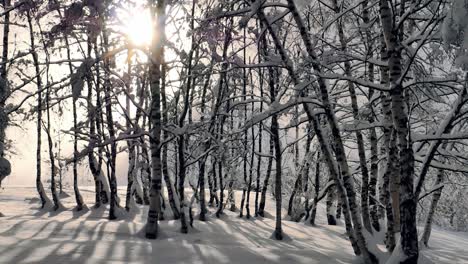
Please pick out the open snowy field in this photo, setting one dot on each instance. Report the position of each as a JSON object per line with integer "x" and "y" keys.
{"x": 29, "y": 235}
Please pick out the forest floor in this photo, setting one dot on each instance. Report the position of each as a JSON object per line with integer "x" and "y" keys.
{"x": 31, "y": 235}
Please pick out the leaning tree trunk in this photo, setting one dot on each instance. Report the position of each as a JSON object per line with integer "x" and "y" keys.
{"x": 432, "y": 209}
{"x": 295, "y": 209}
{"x": 341, "y": 160}
{"x": 359, "y": 138}
{"x": 294, "y": 197}
{"x": 445, "y": 128}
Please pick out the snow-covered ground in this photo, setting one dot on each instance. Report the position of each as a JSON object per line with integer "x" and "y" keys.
{"x": 29, "y": 235}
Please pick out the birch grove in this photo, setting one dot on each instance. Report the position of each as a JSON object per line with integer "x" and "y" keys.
{"x": 360, "y": 105}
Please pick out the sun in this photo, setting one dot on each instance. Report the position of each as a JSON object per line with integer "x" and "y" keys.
{"x": 137, "y": 26}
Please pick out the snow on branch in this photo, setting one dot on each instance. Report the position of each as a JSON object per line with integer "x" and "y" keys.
{"x": 355, "y": 80}
{"x": 276, "y": 108}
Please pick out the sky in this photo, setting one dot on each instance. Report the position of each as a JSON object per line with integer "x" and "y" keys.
{"x": 24, "y": 161}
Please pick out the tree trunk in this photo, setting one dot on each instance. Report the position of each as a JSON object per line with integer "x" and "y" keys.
{"x": 202, "y": 162}
{"x": 111, "y": 156}
{"x": 78, "y": 198}
{"x": 389, "y": 172}
{"x": 53, "y": 168}
{"x": 155, "y": 140}
{"x": 278, "y": 233}
{"x": 316, "y": 189}
{"x": 409, "y": 235}
{"x": 222, "y": 90}
{"x": 432, "y": 209}
{"x": 341, "y": 159}
{"x": 266, "y": 181}
{"x": 252, "y": 156}
{"x": 245, "y": 132}
{"x": 331, "y": 220}
{"x": 99, "y": 135}
{"x": 45, "y": 201}
{"x": 93, "y": 166}
{"x": 171, "y": 193}
{"x": 130, "y": 142}
{"x": 212, "y": 182}
{"x": 6, "y": 170}
{"x": 359, "y": 137}
{"x": 372, "y": 131}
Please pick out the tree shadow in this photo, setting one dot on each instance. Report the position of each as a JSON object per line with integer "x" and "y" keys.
{"x": 56, "y": 241}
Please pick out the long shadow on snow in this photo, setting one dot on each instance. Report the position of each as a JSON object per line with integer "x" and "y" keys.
{"x": 77, "y": 247}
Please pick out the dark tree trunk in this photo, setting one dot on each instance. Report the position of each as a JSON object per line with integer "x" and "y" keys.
{"x": 157, "y": 44}
{"x": 316, "y": 189}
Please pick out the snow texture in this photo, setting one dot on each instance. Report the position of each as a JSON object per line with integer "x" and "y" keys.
{"x": 31, "y": 235}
